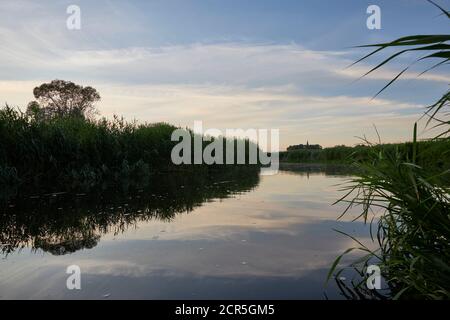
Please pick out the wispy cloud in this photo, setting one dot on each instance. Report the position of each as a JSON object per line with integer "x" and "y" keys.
{"x": 305, "y": 93}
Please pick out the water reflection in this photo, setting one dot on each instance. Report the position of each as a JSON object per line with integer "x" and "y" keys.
{"x": 63, "y": 223}
{"x": 307, "y": 169}
{"x": 275, "y": 242}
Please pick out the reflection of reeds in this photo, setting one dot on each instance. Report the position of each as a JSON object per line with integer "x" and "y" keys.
{"x": 306, "y": 169}
{"x": 357, "y": 289}
{"x": 65, "y": 223}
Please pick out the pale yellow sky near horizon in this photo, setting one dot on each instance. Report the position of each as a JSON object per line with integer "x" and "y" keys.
{"x": 222, "y": 108}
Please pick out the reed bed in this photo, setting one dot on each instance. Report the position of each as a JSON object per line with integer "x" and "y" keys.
{"x": 76, "y": 152}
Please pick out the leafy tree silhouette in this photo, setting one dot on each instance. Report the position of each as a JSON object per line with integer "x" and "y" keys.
{"x": 61, "y": 98}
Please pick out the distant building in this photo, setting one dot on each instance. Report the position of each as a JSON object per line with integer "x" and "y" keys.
{"x": 306, "y": 146}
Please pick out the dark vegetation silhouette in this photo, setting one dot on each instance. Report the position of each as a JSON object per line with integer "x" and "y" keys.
{"x": 57, "y": 145}
{"x": 61, "y": 98}
{"x": 433, "y": 153}
{"x": 306, "y": 146}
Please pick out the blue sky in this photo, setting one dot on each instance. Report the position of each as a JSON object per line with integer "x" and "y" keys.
{"x": 232, "y": 64}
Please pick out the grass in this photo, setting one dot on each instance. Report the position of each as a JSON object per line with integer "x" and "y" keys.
{"x": 401, "y": 192}
{"x": 70, "y": 152}
{"x": 411, "y": 209}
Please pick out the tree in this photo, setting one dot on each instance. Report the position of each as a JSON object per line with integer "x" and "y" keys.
{"x": 305, "y": 147}
{"x": 61, "y": 98}
{"x": 34, "y": 111}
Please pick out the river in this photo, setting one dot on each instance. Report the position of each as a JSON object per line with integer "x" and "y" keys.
{"x": 244, "y": 237}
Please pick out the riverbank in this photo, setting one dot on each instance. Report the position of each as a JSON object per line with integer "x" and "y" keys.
{"x": 76, "y": 153}
{"x": 433, "y": 154}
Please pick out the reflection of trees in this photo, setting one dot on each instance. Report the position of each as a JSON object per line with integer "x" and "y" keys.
{"x": 356, "y": 289}
{"x": 305, "y": 169}
{"x": 65, "y": 223}
{"x": 67, "y": 243}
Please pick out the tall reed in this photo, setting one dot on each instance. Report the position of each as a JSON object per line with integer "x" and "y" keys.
{"x": 75, "y": 152}
{"x": 400, "y": 192}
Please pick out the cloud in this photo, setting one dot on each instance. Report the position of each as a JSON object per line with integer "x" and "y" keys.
{"x": 327, "y": 120}
{"x": 225, "y": 63}
{"x": 300, "y": 117}
{"x": 389, "y": 74}
{"x": 227, "y": 85}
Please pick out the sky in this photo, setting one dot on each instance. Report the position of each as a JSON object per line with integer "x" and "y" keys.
{"x": 262, "y": 64}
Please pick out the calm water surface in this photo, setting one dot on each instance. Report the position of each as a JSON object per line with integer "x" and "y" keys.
{"x": 258, "y": 237}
